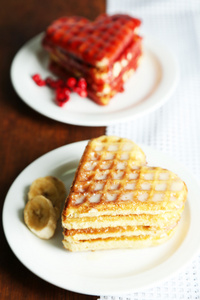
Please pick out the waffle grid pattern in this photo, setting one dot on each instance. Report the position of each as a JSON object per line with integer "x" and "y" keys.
{"x": 143, "y": 188}
{"x": 110, "y": 172}
{"x": 98, "y": 43}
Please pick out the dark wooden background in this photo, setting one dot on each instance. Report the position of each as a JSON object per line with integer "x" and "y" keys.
{"x": 25, "y": 134}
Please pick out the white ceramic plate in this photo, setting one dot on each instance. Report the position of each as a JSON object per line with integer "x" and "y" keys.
{"x": 100, "y": 272}
{"x": 148, "y": 89}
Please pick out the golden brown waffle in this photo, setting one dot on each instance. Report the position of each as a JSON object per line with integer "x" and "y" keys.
{"x": 160, "y": 220}
{"x": 102, "y": 169}
{"x": 114, "y": 188}
{"x": 118, "y": 231}
{"x": 110, "y": 181}
{"x": 133, "y": 242}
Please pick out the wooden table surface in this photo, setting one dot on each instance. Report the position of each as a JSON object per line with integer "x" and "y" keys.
{"x": 25, "y": 134}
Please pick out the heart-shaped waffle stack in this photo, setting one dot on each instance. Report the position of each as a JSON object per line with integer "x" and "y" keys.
{"x": 117, "y": 201}
{"x": 105, "y": 52}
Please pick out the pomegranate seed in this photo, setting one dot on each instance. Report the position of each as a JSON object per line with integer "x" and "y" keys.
{"x": 36, "y": 77}
{"x": 49, "y": 81}
{"x": 62, "y": 96}
{"x": 80, "y": 92}
{"x": 71, "y": 82}
{"x": 82, "y": 83}
{"x": 66, "y": 91}
{"x": 38, "y": 80}
{"x": 59, "y": 83}
{"x": 62, "y": 102}
{"x": 54, "y": 84}
{"x": 83, "y": 93}
{"x": 63, "y": 89}
{"x": 41, "y": 83}
{"x": 77, "y": 89}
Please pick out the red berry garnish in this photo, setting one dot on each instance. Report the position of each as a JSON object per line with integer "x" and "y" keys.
{"x": 63, "y": 89}
{"x": 38, "y": 80}
{"x": 66, "y": 91}
{"x": 71, "y": 82}
{"x": 62, "y": 96}
{"x": 54, "y": 84}
{"x": 83, "y": 93}
{"x": 49, "y": 81}
{"x": 82, "y": 83}
{"x": 36, "y": 77}
{"x": 61, "y": 103}
{"x": 59, "y": 83}
{"x": 41, "y": 82}
{"x": 80, "y": 92}
{"x": 77, "y": 89}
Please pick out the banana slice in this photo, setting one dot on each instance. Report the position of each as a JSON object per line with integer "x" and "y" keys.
{"x": 50, "y": 187}
{"x": 40, "y": 217}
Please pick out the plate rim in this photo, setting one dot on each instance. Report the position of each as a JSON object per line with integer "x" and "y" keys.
{"x": 99, "y": 291}
{"x": 157, "y": 47}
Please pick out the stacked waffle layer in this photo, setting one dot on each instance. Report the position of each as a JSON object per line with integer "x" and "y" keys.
{"x": 105, "y": 52}
{"x": 117, "y": 201}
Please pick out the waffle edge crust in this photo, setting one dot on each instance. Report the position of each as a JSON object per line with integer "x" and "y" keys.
{"x": 117, "y": 201}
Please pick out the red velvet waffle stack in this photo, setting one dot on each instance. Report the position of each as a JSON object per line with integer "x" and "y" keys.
{"x": 105, "y": 52}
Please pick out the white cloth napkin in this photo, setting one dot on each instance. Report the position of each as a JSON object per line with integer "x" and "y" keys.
{"x": 175, "y": 127}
